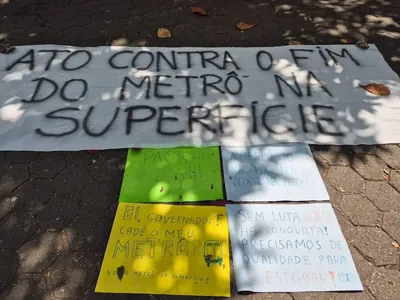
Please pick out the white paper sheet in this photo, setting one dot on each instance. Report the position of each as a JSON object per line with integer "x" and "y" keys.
{"x": 289, "y": 248}
{"x": 120, "y": 97}
{"x": 272, "y": 173}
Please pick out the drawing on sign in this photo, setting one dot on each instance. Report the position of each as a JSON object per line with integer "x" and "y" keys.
{"x": 164, "y": 249}
{"x": 213, "y": 252}
{"x": 120, "y": 272}
{"x": 272, "y": 173}
{"x": 69, "y": 98}
{"x": 289, "y": 248}
{"x": 172, "y": 175}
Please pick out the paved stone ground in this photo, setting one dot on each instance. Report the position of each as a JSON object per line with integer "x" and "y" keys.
{"x": 56, "y": 209}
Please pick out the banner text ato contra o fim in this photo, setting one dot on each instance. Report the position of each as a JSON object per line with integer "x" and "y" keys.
{"x": 68, "y": 98}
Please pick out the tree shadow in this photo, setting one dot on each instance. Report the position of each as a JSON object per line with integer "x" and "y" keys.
{"x": 280, "y": 172}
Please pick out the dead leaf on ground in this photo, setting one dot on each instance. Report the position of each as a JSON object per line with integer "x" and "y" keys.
{"x": 120, "y": 42}
{"x": 6, "y": 49}
{"x": 377, "y": 89}
{"x": 344, "y": 41}
{"x": 140, "y": 43}
{"x": 362, "y": 43}
{"x": 198, "y": 10}
{"x": 163, "y": 33}
{"x": 295, "y": 43}
{"x": 395, "y": 59}
{"x": 244, "y": 26}
{"x": 396, "y": 244}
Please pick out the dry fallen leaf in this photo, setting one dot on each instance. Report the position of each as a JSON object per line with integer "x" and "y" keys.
{"x": 395, "y": 59}
{"x": 6, "y": 49}
{"x": 198, "y": 10}
{"x": 396, "y": 244}
{"x": 120, "y": 42}
{"x": 244, "y": 26}
{"x": 140, "y": 43}
{"x": 344, "y": 41}
{"x": 362, "y": 43}
{"x": 163, "y": 33}
{"x": 295, "y": 43}
{"x": 377, "y": 89}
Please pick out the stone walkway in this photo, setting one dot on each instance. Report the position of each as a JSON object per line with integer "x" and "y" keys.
{"x": 56, "y": 209}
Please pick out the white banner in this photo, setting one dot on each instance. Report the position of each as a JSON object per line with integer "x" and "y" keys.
{"x": 69, "y": 98}
{"x": 272, "y": 173}
{"x": 289, "y": 248}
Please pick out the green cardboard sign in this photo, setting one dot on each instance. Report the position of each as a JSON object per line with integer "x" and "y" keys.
{"x": 172, "y": 175}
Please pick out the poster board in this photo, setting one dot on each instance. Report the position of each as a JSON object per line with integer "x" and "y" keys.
{"x": 289, "y": 248}
{"x": 272, "y": 173}
{"x": 62, "y": 98}
{"x": 167, "y": 249}
{"x": 181, "y": 174}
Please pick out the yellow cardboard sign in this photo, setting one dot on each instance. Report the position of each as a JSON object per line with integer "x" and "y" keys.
{"x": 167, "y": 249}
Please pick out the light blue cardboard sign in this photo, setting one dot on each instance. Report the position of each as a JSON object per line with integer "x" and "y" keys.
{"x": 289, "y": 248}
{"x": 272, "y": 173}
